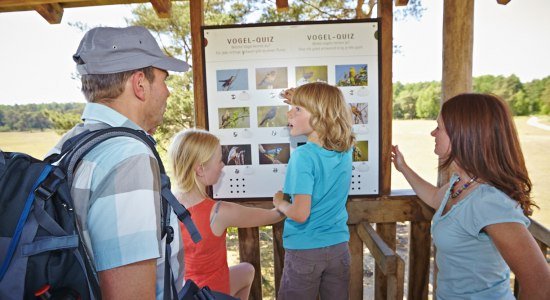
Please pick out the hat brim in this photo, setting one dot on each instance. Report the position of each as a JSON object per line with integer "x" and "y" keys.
{"x": 171, "y": 64}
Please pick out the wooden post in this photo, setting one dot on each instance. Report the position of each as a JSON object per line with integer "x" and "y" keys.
{"x": 356, "y": 269}
{"x": 458, "y": 41}
{"x": 278, "y": 254}
{"x": 419, "y": 260}
{"x": 387, "y": 233}
{"x": 196, "y": 12}
{"x": 385, "y": 230}
{"x": 249, "y": 251}
{"x": 458, "y": 37}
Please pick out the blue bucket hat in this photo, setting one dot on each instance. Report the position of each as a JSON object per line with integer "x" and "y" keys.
{"x": 108, "y": 50}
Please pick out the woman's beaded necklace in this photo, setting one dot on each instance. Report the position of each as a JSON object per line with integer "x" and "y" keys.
{"x": 461, "y": 189}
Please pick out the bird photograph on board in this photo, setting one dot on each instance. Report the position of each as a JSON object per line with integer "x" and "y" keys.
{"x": 307, "y": 74}
{"x": 270, "y": 154}
{"x": 360, "y": 112}
{"x": 233, "y": 117}
{"x": 352, "y": 75}
{"x": 272, "y": 116}
{"x": 361, "y": 151}
{"x": 233, "y": 155}
{"x": 271, "y": 78}
{"x": 232, "y": 80}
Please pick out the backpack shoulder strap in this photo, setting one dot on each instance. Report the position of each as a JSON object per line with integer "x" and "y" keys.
{"x": 78, "y": 146}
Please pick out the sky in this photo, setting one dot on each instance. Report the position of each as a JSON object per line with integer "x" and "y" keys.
{"x": 36, "y": 57}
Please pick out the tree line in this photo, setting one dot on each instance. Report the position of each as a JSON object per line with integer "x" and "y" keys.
{"x": 30, "y": 117}
{"x": 411, "y": 101}
{"x": 422, "y": 100}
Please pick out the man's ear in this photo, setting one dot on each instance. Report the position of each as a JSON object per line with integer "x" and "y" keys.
{"x": 138, "y": 80}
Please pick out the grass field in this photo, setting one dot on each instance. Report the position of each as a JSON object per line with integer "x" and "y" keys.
{"x": 413, "y": 138}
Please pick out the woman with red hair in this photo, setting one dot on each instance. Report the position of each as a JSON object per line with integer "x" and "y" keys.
{"x": 480, "y": 223}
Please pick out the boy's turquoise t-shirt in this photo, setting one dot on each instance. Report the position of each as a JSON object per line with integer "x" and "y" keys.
{"x": 326, "y": 176}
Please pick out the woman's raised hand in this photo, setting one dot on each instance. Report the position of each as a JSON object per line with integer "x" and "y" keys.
{"x": 397, "y": 158}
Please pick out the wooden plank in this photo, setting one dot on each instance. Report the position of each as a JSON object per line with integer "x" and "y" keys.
{"x": 419, "y": 260}
{"x": 249, "y": 251}
{"x": 539, "y": 232}
{"x": 196, "y": 11}
{"x": 356, "y": 268}
{"x": 378, "y": 248}
{"x": 396, "y": 281}
{"x": 163, "y": 8}
{"x": 278, "y": 254}
{"x": 51, "y": 12}
{"x": 387, "y": 234}
{"x": 388, "y": 209}
{"x": 384, "y": 209}
{"x": 23, "y": 5}
{"x": 385, "y": 12}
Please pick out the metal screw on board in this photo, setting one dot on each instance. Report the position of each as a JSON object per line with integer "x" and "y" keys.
{"x": 275, "y": 170}
{"x": 235, "y": 134}
{"x": 237, "y": 171}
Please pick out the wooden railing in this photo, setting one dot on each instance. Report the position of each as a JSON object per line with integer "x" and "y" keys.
{"x": 384, "y": 211}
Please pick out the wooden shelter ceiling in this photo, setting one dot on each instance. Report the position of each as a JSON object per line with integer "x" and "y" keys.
{"x": 52, "y": 10}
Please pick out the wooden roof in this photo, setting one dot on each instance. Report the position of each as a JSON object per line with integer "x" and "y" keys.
{"x": 52, "y": 10}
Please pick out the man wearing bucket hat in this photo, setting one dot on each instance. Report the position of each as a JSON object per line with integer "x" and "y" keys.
{"x": 116, "y": 187}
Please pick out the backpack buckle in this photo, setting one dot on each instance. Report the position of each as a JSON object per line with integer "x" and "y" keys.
{"x": 43, "y": 193}
{"x": 169, "y": 234}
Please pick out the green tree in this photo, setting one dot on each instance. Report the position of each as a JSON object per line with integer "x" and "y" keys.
{"x": 62, "y": 121}
{"x": 428, "y": 103}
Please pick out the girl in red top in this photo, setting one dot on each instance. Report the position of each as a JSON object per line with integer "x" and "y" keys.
{"x": 196, "y": 159}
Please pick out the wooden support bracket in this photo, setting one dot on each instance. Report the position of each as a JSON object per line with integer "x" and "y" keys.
{"x": 503, "y": 2}
{"x": 52, "y": 12}
{"x": 282, "y": 5}
{"x": 401, "y": 2}
{"x": 162, "y": 7}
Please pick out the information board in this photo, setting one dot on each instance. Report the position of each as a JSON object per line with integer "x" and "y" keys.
{"x": 247, "y": 68}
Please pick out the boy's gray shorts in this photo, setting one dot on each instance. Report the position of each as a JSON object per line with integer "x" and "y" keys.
{"x": 323, "y": 271}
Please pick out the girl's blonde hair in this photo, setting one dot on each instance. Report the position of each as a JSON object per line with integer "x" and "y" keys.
{"x": 188, "y": 149}
{"x": 330, "y": 114}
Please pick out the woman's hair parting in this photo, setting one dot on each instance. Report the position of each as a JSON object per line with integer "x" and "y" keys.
{"x": 484, "y": 142}
{"x": 330, "y": 114}
{"x": 188, "y": 149}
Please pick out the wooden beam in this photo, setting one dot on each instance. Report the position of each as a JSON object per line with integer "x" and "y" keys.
{"x": 384, "y": 209}
{"x": 382, "y": 253}
{"x": 282, "y": 5}
{"x": 385, "y": 34}
{"x": 401, "y": 2}
{"x": 162, "y": 7}
{"x": 356, "y": 267}
{"x": 387, "y": 232}
{"x": 458, "y": 41}
{"x": 51, "y": 12}
{"x": 25, "y": 5}
{"x": 419, "y": 260}
{"x": 503, "y": 2}
{"x": 196, "y": 11}
{"x": 539, "y": 232}
{"x": 249, "y": 251}
{"x": 278, "y": 254}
